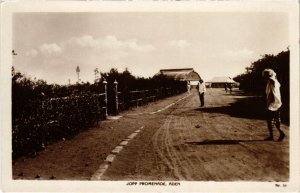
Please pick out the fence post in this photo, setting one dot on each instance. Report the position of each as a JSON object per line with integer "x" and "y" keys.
{"x": 105, "y": 97}
{"x": 116, "y": 95}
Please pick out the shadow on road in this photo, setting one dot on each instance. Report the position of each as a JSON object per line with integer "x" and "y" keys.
{"x": 250, "y": 107}
{"x": 221, "y": 142}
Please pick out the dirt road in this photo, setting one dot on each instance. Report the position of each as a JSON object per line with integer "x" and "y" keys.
{"x": 221, "y": 142}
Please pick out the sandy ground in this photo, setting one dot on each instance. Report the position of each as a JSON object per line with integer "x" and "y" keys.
{"x": 221, "y": 142}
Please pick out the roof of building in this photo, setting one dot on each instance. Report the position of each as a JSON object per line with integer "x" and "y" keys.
{"x": 177, "y": 70}
{"x": 181, "y": 74}
{"x": 221, "y": 79}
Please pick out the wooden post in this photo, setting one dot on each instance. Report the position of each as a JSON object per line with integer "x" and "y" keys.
{"x": 116, "y": 95}
{"x": 105, "y": 97}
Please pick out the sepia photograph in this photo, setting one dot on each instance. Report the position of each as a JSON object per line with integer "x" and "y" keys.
{"x": 190, "y": 97}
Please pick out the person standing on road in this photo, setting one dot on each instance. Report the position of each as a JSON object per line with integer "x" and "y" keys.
{"x": 188, "y": 86}
{"x": 202, "y": 90}
{"x": 273, "y": 103}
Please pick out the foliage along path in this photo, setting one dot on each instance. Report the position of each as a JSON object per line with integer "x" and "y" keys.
{"x": 221, "y": 142}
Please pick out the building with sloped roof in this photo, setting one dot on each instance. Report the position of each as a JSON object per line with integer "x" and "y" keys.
{"x": 220, "y": 82}
{"x": 182, "y": 74}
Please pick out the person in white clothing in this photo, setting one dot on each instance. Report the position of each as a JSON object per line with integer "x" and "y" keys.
{"x": 188, "y": 86}
{"x": 202, "y": 90}
{"x": 273, "y": 103}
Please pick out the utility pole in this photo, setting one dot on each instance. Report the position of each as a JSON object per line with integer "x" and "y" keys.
{"x": 77, "y": 71}
{"x": 96, "y": 72}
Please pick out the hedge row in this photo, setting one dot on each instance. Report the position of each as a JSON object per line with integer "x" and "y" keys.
{"x": 42, "y": 122}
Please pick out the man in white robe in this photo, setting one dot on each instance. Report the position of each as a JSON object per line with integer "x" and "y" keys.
{"x": 273, "y": 103}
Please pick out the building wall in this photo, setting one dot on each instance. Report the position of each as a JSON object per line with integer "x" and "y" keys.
{"x": 221, "y": 84}
{"x": 218, "y": 85}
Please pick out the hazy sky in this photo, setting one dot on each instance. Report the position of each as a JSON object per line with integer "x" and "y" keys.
{"x": 51, "y": 45}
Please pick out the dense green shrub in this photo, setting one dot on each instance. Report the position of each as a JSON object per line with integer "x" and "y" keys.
{"x": 41, "y": 122}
